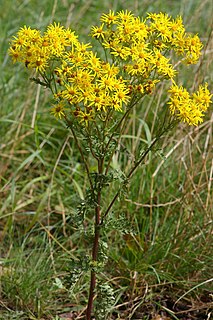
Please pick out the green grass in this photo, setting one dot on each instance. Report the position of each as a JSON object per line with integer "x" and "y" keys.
{"x": 169, "y": 204}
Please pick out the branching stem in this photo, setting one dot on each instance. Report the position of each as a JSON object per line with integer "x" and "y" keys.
{"x": 136, "y": 165}
{"x": 81, "y": 152}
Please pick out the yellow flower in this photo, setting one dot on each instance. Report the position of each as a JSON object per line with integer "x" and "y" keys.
{"x": 138, "y": 54}
{"x": 58, "y": 110}
{"x": 140, "y": 30}
{"x": 120, "y": 51}
{"x": 162, "y": 65}
{"x": 15, "y": 53}
{"x": 176, "y": 25}
{"x": 25, "y": 31}
{"x": 193, "y": 48}
{"x": 122, "y": 95}
{"x": 202, "y": 97}
{"x": 71, "y": 94}
{"x": 71, "y": 38}
{"x": 125, "y": 17}
{"x": 110, "y": 70}
{"x": 40, "y": 64}
{"x": 107, "y": 83}
{"x": 136, "y": 68}
{"x": 141, "y": 51}
{"x": 85, "y": 117}
{"x": 109, "y": 18}
{"x": 94, "y": 63}
{"x": 19, "y": 42}
{"x": 98, "y": 32}
{"x": 55, "y": 29}
{"x": 160, "y": 24}
{"x": 116, "y": 104}
{"x": 86, "y": 95}
{"x": 98, "y": 100}
{"x": 83, "y": 47}
{"x": 186, "y": 108}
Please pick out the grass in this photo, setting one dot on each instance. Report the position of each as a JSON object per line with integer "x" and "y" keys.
{"x": 169, "y": 204}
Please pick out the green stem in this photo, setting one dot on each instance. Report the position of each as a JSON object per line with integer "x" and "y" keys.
{"x": 136, "y": 165}
{"x": 69, "y": 123}
{"x": 124, "y": 117}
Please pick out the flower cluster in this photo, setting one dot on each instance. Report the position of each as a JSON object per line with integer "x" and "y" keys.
{"x": 188, "y": 108}
{"x": 171, "y": 34}
{"x": 37, "y": 51}
{"x": 135, "y": 43}
{"x": 89, "y": 85}
{"x": 138, "y": 54}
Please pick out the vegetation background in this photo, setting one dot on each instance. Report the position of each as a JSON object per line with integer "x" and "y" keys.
{"x": 169, "y": 203}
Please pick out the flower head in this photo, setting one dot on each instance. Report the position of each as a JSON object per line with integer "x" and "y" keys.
{"x": 58, "y": 110}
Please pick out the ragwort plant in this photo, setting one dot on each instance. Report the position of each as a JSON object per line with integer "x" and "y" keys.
{"x": 95, "y": 96}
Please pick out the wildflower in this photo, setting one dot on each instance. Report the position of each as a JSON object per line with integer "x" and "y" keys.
{"x": 202, "y": 97}
{"x": 101, "y": 102}
{"x": 82, "y": 47}
{"x": 120, "y": 51}
{"x": 55, "y": 28}
{"x": 59, "y": 110}
{"x": 40, "y": 64}
{"x": 193, "y": 48}
{"x": 107, "y": 82}
{"x": 94, "y": 63}
{"x": 186, "y": 108}
{"x": 140, "y": 88}
{"x": 122, "y": 95}
{"x": 116, "y": 104}
{"x": 160, "y": 24}
{"x": 162, "y": 65}
{"x": 85, "y": 117}
{"x": 125, "y": 17}
{"x": 109, "y": 18}
{"x": 110, "y": 70}
{"x": 98, "y": 32}
{"x": 141, "y": 51}
{"x": 140, "y": 30}
{"x": 26, "y": 32}
{"x": 139, "y": 54}
{"x": 176, "y": 25}
{"x": 70, "y": 94}
{"x": 136, "y": 68}
{"x": 19, "y": 42}
{"x": 85, "y": 95}
{"x": 15, "y": 53}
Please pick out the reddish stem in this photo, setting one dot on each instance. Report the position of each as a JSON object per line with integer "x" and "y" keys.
{"x": 94, "y": 257}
